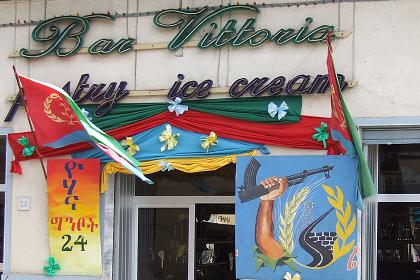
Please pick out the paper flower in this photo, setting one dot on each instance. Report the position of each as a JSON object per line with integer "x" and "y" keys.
{"x": 86, "y": 114}
{"x": 208, "y": 141}
{"x": 273, "y": 109}
{"x": 51, "y": 267}
{"x": 321, "y": 134}
{"x": 132, "y": 148}
{"x": 288, "y": 276}
{"x": 27, "y": 150}
{"x": 170, "y": 140}
{"x": 166, "y": 166}
{"x": 177, "y": 107}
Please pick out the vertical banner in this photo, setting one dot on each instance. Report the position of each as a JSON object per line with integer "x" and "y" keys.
{"x": 73, "y": 215}
{"x": 296, "y": 217}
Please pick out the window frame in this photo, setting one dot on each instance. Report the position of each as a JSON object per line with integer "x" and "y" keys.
{"x": 376, "y": 131}
{"x": 6, "y": 188}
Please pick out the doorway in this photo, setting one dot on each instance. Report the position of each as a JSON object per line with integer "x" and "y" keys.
{"x": 190, "y": 239}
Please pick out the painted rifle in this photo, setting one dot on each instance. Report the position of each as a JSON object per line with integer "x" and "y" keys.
{"x": 250, "y": 190}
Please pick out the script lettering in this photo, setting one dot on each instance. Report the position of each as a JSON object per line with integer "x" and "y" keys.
{"x": 190, "y": 22}
{"x": 73, "y": 33}
{"x": 300, "y": 84}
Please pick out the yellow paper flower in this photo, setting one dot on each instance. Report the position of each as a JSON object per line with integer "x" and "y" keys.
{"x": 170, "y": 140}
{"x": 132, "y": 148}
{"x": 208, "y": 141}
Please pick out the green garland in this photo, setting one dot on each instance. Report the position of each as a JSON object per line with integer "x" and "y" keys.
{"x": 248, "y": 109}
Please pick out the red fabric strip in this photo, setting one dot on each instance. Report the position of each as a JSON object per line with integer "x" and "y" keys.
{"x": 295, "y": 135}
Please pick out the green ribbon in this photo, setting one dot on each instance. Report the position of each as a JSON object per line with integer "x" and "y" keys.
{"x": 321, "y": 134}
{"x": 27, "y": 150}
{"x": 51, "y": 267}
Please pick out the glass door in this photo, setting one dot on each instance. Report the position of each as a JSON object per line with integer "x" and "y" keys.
{"x": 163, "y": 242}
{"x": 193, "y": 239}
{"x": 214, "y": 241}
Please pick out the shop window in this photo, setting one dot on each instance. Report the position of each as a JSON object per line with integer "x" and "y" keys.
{"x": 398, "y": 226}
{"x": 2, "y": 160}
{"x": 176, "y": 183}
{"x": 399, "y": 169}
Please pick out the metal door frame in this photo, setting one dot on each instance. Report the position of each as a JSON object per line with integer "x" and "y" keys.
{"x": 173, "y": 202}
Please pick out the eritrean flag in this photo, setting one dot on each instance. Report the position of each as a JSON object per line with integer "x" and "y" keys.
{"x": 344, "y": 131}
{"x": 59, "y": 122}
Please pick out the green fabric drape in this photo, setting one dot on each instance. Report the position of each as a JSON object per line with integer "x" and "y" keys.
{"x": 248, "y": 109}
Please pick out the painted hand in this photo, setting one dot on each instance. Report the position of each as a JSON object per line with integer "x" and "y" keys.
{"x": 280, "y": 185}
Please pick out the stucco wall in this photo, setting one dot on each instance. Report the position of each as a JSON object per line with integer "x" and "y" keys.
{"x": 382, "y": 55}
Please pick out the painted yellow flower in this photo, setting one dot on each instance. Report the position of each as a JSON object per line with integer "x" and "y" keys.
{"x": 170, "y": 140}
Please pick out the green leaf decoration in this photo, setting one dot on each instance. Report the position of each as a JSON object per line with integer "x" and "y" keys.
{"x": 23, "y": 141}
{"x": 258, "y": 264}
{"x": 266, "y": 261}
{"x": 27, "y": 150}
{"x": 51, "y": 268}
{"x": 291, "y": 264}
{"x": 254, "y": 249}
{"x": 287, "y": 255}
{"x": 321, "y": 134}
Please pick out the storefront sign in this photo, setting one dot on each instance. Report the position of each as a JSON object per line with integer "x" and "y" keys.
{"x": 300, "y": 84}
{"x": 222, "y": 219}
{"x": 230, "y": 34}
{"x": 74, "y": 30}
{"x": 107, "y": 95}
{"x": 296, "y": 215}
{"x": 73, "y": 215}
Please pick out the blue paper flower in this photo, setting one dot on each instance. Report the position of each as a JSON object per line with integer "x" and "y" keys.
{"x": 176, "y": 107}
{"x": 273, "y": 109}
{"x": 166, "y": 166}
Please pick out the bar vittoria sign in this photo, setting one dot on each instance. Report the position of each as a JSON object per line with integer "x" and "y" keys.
{"x": 71, "y": 31}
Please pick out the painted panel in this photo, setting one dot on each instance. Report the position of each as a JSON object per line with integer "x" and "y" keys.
{"x": 296, "y": 217}
{"x": 73, "y": 216}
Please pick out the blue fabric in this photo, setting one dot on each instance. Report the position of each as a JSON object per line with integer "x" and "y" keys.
{"x": 313, "y": 227}
{"x": 348, "y": 145}
{"x": 189, "y": 146}
{"x": 74, "y": 137}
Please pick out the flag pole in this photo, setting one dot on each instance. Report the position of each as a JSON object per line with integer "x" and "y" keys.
{"x": 22, "y": 92}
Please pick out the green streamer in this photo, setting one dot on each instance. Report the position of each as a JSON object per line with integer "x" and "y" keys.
{"x": 252, "y": 109}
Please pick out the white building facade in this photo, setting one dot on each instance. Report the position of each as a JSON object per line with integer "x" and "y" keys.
{"x": 377, "y": 51}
